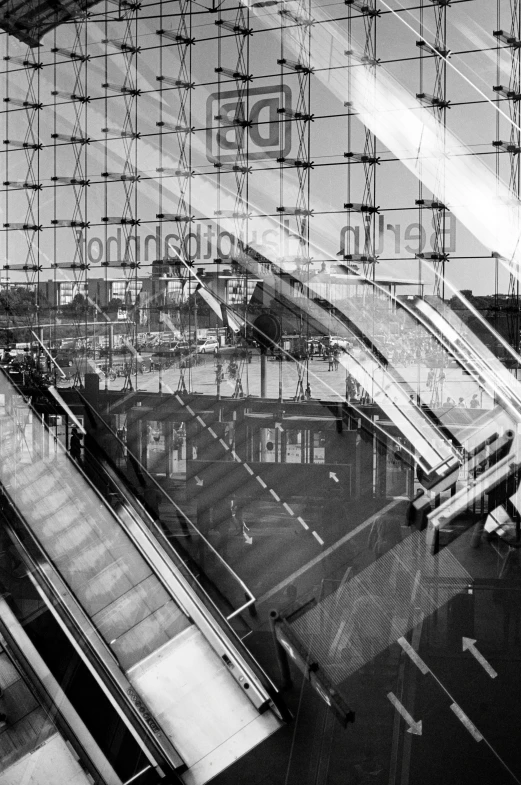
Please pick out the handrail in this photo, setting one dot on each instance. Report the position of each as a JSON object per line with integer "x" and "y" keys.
{"x": 21, "y": 650}
{"x": 258, "y": 688}
{"x": 91, "y": 647}
{"x": 207, "y": 617}
{"x": 166, "y": 495}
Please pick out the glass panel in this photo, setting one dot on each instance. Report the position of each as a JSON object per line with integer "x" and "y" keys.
{"x": 295, "y": 446}
{"x": 155, "y": 446}
{"x": 239, "y": 288}
{"x": 319, "y": 447}
{"x": 269, "y": 446}
{"x": 286, "y": 177}
{"x": 178, "y": 449}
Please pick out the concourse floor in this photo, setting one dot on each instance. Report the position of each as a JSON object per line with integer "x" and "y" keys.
{"x": 324, "y": 384}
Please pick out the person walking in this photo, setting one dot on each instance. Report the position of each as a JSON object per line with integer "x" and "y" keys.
{"x": 237, "y": 513}
{"x": 234, "y": 515}
{"x": 349, "y": 387}
{"x": 75, "y": 445}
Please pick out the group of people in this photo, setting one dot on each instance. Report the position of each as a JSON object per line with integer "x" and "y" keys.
{"x": 332, "y": 355}
{"x": 355, "y": 391}
{"x": 450, "y": 403}
{"x": 405, "y": 345}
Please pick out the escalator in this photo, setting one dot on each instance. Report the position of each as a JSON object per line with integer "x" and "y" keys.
{"x": 59, "y": 696}
{"x": 113, "y": 583}
{"x": 131, "y": 615}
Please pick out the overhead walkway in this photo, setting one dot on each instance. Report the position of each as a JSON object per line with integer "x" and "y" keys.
{"x": 184, "y": 684}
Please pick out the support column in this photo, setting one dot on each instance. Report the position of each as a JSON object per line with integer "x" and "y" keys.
{"x": 264, "y": 373}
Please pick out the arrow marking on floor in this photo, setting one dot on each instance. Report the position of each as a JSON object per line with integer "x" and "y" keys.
{"x": 458, "y": 711}
{"x": 332, "y": 476}
{"x": 468, "y": 645}
{"x": 414, "y": 727}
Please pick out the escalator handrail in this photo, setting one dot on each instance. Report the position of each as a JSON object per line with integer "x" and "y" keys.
{"x": 87, "y": 640}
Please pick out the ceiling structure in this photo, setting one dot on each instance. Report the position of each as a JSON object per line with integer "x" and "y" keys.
{"x": 29, "y": 20}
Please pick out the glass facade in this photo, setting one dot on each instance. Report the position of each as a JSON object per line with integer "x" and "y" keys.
{"x": 261, "y": 521}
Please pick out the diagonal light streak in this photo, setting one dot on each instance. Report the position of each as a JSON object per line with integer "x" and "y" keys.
{"x": 471, "y": 190}
{"x": 204, "y": 187}
{"x": 451, "y": 65}
{"x": 374, "y": 607}
{"x": 202, "y": 192}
